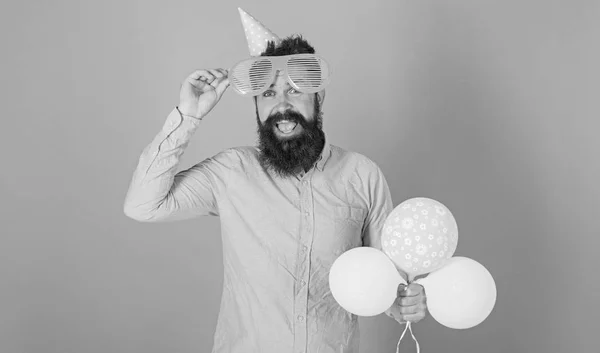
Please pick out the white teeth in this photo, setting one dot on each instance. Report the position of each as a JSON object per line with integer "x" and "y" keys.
{"x": 285, "y": 126}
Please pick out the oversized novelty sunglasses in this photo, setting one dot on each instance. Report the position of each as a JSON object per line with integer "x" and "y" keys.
{"x": 307, "y": 73}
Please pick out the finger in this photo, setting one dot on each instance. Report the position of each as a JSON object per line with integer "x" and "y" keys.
{"x": 411, "y": 309}
{"x": 225, "y": 72}
{"x": 200, "y": 79}
{"x": 210, "y": 78}
{"x": 216, "y": 73}
{"x": 408, "y": 301}
{"x": 413, "y": 289}
{"x": 220, "y": 77}
{"x": 222, "y": 86}
{"x": 196, "y": 75}
{"x": 414, "y": 310}
{"x": 401, "y": 289}
{"x": 205, "y": 76}
{"x": 394, "y": 311}
{"x": 395, "y": 314}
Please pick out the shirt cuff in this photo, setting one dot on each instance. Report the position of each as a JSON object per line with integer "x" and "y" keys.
{"x": 176, "y": 121}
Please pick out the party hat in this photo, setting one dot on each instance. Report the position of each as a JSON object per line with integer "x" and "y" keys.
{"x": 257, "y": 34}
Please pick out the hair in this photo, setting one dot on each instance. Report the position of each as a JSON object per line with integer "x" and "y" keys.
{"x": 293, "y": 44}
{"x": 290, "y": 45}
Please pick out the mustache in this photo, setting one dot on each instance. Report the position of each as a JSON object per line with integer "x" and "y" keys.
{"x": 287, "y": 115}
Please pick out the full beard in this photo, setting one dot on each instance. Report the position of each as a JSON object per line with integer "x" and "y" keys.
{"x": 288, "y": 156}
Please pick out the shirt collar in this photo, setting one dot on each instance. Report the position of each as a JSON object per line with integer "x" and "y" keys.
{"x": 325, "y": 154}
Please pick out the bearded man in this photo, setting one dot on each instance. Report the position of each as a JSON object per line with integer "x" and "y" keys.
{"x": 288, "y": 207}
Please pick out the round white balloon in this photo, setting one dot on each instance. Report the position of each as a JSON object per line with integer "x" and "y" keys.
{"x": 364, "y": 281}
{"x": 460, "y": 295}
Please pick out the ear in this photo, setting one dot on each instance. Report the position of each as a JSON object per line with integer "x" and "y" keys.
{"x": 321, "y": 97}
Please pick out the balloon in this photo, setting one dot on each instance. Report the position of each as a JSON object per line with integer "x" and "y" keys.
{"x": 461, "y": 294}
{"x": 364, "y": 281}
{"x": 419, "y": 235}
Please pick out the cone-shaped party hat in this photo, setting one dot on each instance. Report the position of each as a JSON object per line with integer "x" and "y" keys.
{"x": 257, "y": 34}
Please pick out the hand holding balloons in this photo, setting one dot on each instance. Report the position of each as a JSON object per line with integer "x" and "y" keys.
{"x": 420, "y": 236}
{"x": 411, "y": 304}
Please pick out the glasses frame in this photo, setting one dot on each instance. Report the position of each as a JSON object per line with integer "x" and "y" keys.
{"x": 280, "y": 64}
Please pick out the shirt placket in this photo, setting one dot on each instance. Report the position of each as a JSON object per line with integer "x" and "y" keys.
{"x": 303, "y": 268}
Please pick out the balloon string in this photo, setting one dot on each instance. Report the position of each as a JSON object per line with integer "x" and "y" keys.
{"x": 409, "y": 327}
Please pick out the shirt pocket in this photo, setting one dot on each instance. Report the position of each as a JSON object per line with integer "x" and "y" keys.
{"x": 348, "y": 223}
{"x": 349, "y": 215}
{"x": 338, "y": 229}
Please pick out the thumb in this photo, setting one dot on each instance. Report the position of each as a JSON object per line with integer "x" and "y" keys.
{"x": 401, "y": 288}
{"x": 222, "y": 86}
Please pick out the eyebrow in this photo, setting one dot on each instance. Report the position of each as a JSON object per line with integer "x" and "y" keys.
{"x": 286, "y": 83}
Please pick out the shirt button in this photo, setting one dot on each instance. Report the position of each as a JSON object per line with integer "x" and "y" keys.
{"x": 300, "y": 318}
{"x": 303, "y": 282}
{"x": 307, "y": 213}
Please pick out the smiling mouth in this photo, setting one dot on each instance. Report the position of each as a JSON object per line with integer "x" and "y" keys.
{"x": 286, "y": 127}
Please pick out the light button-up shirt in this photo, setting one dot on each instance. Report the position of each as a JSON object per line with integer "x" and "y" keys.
{"x": 280, "y": 235}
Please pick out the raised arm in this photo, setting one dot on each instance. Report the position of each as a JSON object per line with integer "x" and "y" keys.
{"x": 156, "y": 191}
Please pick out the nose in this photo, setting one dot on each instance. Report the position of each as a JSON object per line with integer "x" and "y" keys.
{"x": 282, "y": 100}
{"x": 283, "y": 105}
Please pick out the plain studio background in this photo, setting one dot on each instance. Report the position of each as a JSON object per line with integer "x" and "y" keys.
{"x": 490, "y": 107}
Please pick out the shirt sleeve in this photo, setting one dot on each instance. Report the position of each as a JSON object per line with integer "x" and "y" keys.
{"x": 380, "y": 206}
{"x": 158, "y": 193}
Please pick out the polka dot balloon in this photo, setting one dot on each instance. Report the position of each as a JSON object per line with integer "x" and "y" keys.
{"x": 419, "y": 235}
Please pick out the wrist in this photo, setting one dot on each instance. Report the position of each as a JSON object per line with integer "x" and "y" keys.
{"x": 187, "y": 112}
